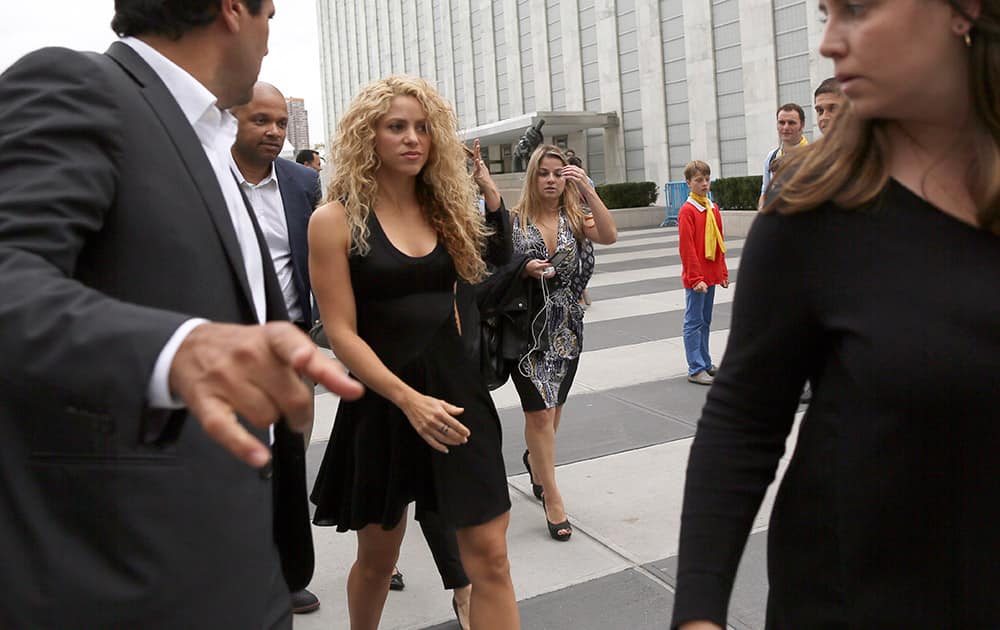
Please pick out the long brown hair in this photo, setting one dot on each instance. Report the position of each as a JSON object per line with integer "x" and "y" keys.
{"x": 530, "y": 206}
{"x": 849, "y": 167}
{"x": 444, "y": 188}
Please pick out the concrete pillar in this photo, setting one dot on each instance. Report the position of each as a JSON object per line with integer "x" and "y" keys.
{"x": 512, "y": 31}
{"x": 489, "y": 51}
{"x": 611, "y": 88}
{"x": 540, "y": 56}
{"x": 760, "y": 79}
{"x": 400, "y": 38}
{"x": 468, "y": 67}
{"x": 446, "y": 73}
{"x": 569, "y": 18}
{"x": 701, "y": 83}
{"x": 429, "y": 53}
{"x": 654, "y": 106}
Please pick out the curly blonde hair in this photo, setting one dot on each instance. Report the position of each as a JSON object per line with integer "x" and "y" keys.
{"x": 530, "y": 206}
{"x": 444, "y": 187}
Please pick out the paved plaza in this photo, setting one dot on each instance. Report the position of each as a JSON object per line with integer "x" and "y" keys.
{"x": 622, "y": 451}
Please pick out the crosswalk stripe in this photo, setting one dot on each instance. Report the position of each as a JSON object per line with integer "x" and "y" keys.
{"x": 645, "y": 304}
{"x": 655, "y": 252}
{"x": 606, "y": 278}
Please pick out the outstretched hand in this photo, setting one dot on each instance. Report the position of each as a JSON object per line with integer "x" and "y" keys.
{"x": 224, "y": 370}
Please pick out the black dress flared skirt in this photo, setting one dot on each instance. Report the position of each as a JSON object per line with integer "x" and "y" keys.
{"x": 375, "y": 463}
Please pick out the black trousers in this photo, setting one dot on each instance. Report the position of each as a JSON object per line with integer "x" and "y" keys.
{"x": 444, "y": 547}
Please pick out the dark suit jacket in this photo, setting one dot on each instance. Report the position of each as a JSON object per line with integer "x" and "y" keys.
{"x": 113, "y": 231}
{"x": 300, "y": 194}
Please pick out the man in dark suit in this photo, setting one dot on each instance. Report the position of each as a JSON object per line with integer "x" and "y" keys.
{"x": 139, "y": 384}
{"x": 283, "y": 195}
{"x": 310, "y": 158}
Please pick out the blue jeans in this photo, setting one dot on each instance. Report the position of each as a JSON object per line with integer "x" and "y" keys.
{"x": 697, "y": 321}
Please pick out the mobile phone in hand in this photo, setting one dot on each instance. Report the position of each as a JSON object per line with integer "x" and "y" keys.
{"x": 558, "y": 257}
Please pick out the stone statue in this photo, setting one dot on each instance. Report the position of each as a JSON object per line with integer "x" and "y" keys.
{"x": 526, "y": 145}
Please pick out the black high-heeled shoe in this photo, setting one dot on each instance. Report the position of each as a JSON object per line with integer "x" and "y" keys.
{"x": 536, "y": 489}
{"x": 556, "y": 528}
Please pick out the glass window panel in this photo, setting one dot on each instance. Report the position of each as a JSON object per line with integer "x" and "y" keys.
{"x": 793, "y": 68}
{"x": 633, "y": 140}
{"x": 728, "y": 58}
{"x": 792, "y": 42}
{"x": 590, "y": 73}
{"x": 631, "y": 101}
{"x": 588, "y": 54}
{"x": 626, "y": 21}
{"x": 630, "y": 81}
{"x": 632, "y": 120}
{"x": 675, "y": 71}
{"x": 790, "y": 17}
{"x": 726, "y": 36}
{"x": 673, "y": 28}
{"x": 586, "y": 17}
{"x": 677, "y": 92}
{"x": 588, "y": 36}
{"x": 628, "y": 61}
{"x": 674, "y": 49}
{"x": 725, "y": 11}
{"x": 730, "y": 81}
{"x": 680, "y": 154}
{"x": 677, "y": 113}
{"x": 671, "y": 7}
{"x": 679, "y": 134}
{"x": 625, "y": 5}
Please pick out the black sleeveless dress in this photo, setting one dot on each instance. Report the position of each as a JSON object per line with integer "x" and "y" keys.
{"x": 375, "y": 463}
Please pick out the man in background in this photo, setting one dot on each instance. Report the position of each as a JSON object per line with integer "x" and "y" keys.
{"x": 828, "y": 100}
{"x": 282, "y": 195}
{"x": 791, "y": 120}
{"x": 310, "y": 158}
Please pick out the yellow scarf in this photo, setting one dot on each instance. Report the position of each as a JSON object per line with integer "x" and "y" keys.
{"x": 713, "y": 235}
{"x": 781, "y": 149}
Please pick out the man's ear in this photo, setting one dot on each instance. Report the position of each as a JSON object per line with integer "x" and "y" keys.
{"x": 231, "y": 13}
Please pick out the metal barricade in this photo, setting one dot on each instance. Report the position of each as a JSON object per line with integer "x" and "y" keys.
{"x": 675, "y": 193}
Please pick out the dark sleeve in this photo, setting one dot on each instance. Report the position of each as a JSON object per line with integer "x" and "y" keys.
{"x": 314, "y": 190}
{"x": 499, "y": 243}
{"x": 59, "y": 143}
{"x": 747, "y": 417}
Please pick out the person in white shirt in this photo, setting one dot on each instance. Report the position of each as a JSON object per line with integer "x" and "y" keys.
{"x": 151, "y": 476}
{"x": 282, "y": 195}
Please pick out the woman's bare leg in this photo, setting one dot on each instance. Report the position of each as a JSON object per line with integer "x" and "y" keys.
{"x": 484, "y": 556}
{"x": 540, "y": 436}
{"x": 368, "y": 581}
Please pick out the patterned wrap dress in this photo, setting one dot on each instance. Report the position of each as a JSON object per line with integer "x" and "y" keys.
{"x": 544, "y": 376}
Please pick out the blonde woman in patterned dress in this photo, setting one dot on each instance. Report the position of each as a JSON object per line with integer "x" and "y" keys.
{"x": 554, "y": 230}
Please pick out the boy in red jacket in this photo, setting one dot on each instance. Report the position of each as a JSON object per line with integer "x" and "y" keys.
{"x": 703, "y": 258}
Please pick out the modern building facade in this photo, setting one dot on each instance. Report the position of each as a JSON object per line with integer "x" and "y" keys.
{"x": 636, "y": 87}
{"x": 298, "y": 124}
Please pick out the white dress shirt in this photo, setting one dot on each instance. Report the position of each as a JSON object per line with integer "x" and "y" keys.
{"x": 216, "y": 130}
{"x": 265, "y": 199}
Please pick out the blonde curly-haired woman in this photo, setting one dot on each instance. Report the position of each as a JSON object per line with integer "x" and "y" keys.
{"x": 392, "y": 257}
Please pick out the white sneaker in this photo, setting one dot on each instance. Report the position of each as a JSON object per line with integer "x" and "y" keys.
{"x": 701, "y": 378}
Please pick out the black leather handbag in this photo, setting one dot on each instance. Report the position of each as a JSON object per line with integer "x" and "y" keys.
{"x": 492, "y": 366}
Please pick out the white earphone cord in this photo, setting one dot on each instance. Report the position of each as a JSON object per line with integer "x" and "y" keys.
{"x": 523, "y": 365}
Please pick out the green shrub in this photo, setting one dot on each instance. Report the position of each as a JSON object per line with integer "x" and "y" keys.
{"x": 628, "y": 194}
{"x": 737, "y": 193}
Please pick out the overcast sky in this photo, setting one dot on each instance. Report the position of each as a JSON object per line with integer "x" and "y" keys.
{"x": 292, "y": 63}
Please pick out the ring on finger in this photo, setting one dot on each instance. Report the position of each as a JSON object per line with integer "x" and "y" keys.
{"x": 444, "y": 429}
